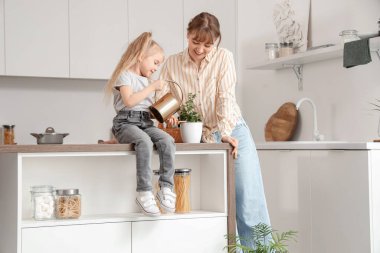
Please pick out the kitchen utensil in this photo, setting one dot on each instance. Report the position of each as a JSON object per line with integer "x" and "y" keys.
{"x": 167, "y": 105}
{"x": 49, "y": 137}
{"x": 282, "y": 125}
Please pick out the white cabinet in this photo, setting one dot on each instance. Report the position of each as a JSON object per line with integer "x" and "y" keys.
{"x": 331, "y": 197}
{"x": 2, "y": 47}
{"x": 111, "y": 221}
{"x": 94, "y": 238}
{"x": 162, "y": 18}
{"x": 36, "y": 38}
{"x": 98, "y": 37}
{"x": 224, "y": 10}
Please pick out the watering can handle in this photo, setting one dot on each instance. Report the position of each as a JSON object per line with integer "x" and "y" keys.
{"x": 169, "y": 81}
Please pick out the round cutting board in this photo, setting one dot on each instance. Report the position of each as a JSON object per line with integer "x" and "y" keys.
{"x": 282, "y": 125}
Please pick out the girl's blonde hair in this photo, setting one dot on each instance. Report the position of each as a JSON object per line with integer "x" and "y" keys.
{"x": 136, "y": 50}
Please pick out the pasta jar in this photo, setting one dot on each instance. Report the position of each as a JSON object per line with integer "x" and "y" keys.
{"x": 68, "y": 204}
{"x": 349, "y": 35}
{"x": 42, "y": 202}
{"x": 272, "y": 50}
{"x": 286, "y": 48}
{"x": 9, "y": 134}
{"x": 182, "y": 190}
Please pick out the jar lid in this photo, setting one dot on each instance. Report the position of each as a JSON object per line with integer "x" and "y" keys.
{"x": 348, "y": 32}
{"x": 286, "y": 44}
{"x": 42, "y": 188}
{"x": 67, "y": 191}
{"x": 271, "y": 45}
{"x": 8, "y": 126}
{"x": 182, "y": 171}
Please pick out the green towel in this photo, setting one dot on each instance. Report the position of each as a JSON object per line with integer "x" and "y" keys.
{"x": 356, "y": 53}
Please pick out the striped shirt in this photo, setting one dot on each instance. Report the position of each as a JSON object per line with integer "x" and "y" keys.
{"x": 214, "y": 85}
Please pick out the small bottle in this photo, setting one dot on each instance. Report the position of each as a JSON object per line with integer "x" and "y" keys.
{"x": 42, "y": 202}
{"x": 9, "y": 134}
{"x": 349, "y": 35}
{"x": 286, "y": 48}
{"x": 68, "y": 204}
{"x": 271, "y": 50}
{"x": 182, "y": 190}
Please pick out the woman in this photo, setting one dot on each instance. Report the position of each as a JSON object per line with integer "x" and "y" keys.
{"x": 208, "y": 71}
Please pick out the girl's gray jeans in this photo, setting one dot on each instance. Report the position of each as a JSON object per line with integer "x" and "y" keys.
{"x": 136, "y": 127}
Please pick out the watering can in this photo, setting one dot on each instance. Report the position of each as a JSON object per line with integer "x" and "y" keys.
{"x": 167, "y": 105}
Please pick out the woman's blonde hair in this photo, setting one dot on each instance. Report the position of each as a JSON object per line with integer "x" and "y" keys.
{"x": 136, "y": 50}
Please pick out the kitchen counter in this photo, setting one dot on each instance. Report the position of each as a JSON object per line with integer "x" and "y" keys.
{"x": 102, "y": 147}
{"x": 317, "y": 145}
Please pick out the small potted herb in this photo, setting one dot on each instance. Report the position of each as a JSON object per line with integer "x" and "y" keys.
{"x": 191, "y": 124}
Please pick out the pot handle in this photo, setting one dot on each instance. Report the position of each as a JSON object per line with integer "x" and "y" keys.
{"x": 36, "y": 135}
{"x": 64, "y": 135}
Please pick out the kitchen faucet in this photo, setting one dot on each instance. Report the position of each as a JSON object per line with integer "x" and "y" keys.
{"x": 316, "y": 135}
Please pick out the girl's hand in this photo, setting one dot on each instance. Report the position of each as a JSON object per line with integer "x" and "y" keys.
{"x": 234, "y": 143}
{"x": 172, "y": 121}
{"x": 158, "y": 85}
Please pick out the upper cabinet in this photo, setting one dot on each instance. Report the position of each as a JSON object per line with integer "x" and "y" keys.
{"x": 163, "y": 18}
{"x": 98, "y": 36}
{"x": 224, "y": 10}
{"x": 36, "y": 38}
{"x": 2, "y": 48}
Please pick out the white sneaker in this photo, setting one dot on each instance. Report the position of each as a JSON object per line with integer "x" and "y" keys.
{"x": 145, "y": 200}
{"x": 167, "y": 199}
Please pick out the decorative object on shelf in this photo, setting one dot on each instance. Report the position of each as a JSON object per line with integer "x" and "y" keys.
{"x": 191, "y": 125}
{"x": 182, "y": 190}
{"x": 349, "y": 35}
{"x": 68, "y": 204}
{"x": 9, "y": 134}
{"x": 272, "y": 50}
{"x": 282, "y": 124}
{"x": 265, "y": 239}
{"x": 291, "y": 21}
{"x": 286, "y": 49}
{"x": 42, "y": 202}
{"x": 49, "y": 137}
{"x": 167, "y": 105}
{"x": 174, "y": 131}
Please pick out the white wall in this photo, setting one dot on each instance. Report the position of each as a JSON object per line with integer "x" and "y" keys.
{"x": 342, "y": 95}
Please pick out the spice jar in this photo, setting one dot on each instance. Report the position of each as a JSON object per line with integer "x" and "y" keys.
{"x": 272, "y": 50}
{"x": 182, "y": 189}
{"x": 68, "y": 204}
{"x": 286, "y": 48}
{"x": 349, "y": 35}
{"x": 42, "y": 202}
{"x": 9, "y": 134}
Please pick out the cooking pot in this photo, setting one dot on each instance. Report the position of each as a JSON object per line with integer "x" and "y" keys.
{"x": 167, "y": 105}
{"x": 49, "y": 137}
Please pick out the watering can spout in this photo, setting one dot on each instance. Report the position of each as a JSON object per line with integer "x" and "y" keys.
{"x": 166, "y": 106}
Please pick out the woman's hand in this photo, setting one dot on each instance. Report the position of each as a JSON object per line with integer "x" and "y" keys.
{"x": 158, "y": 85}
{"x": 234, "y": 143}
{"x": 172, "y": 121}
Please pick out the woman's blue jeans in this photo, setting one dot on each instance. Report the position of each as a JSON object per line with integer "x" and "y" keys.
{"x": 251, "y": 207}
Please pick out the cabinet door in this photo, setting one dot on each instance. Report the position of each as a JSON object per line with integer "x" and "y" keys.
{"x": 94, "y": 238}
{"x": 286, "y": 176}
{"x": 2, "y": 48}
{"x": 37, "y": 38}
{"x": 98, "y": 37}
{"x": 186, "y": 236}
{"x": 224, "y": 10}
{"x": 340, "y": 201}
{"x": 163, "y": 18}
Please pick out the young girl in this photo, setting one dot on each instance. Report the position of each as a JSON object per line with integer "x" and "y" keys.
{"x": 133, "y": 94}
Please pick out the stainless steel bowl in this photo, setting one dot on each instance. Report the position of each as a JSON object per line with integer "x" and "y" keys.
{"x": 49, "y": 137}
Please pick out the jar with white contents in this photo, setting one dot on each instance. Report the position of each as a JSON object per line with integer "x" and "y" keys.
{"x": 43, "y": 200}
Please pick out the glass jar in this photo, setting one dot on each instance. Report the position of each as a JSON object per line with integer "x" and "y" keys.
{"x": 286, "y": 48}
{"x": 349, "y": 35}
{"x": 272, "y": 50}
{"x": 68, "y": 204}
{"x": 9, "y": 134}
{"x": 182, "y": 189}
{"x": 42, "y": 202}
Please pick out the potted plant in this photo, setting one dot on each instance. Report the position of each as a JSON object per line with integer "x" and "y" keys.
{"x": 191, "y": 124}
{"x": 260, "y": 234}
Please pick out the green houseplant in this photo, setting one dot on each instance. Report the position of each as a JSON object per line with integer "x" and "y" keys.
{"x": 260, "y": 234}
{"x": 191, "y": 124}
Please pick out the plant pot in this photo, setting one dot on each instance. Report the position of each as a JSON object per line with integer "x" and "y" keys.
{"x": 191, "y": 132}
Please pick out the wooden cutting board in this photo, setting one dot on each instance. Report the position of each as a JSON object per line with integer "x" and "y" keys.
{"x": 282, "y": 124}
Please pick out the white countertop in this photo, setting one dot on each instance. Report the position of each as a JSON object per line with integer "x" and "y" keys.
{"x": 324, "y": 145}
